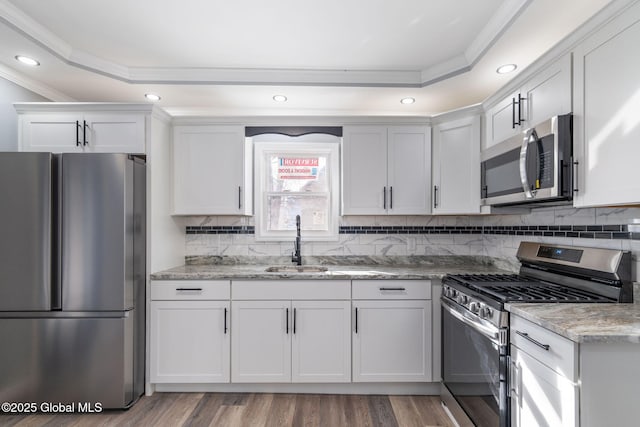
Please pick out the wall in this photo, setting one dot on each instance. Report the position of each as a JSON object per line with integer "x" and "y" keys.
{"x": 10, "y": 93}
{"x": 494, "y": 235}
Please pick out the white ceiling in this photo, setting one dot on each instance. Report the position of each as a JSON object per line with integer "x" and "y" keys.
{"x": 330, "y": 57}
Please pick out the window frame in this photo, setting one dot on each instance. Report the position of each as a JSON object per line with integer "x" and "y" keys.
{"x": 303, "y": 146}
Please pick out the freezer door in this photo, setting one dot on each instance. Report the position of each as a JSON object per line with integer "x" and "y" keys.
{"x": 68, "y": 360}
{"x": 25, "y": 230}
{"x": 97, "y": 232}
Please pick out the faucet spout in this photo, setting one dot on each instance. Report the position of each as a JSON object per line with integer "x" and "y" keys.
{"x": 296, "y": 256}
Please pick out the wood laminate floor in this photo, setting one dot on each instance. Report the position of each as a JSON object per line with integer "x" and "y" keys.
{"x": 277, "y": 410}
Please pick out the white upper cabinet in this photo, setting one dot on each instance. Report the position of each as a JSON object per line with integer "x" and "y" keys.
{"x": 544, "y": 95}
{"x": 456, "y": 167}
{"x": 607, "y": 106}
{"x": 212, "y": 170}
{"x": 78, "y": 128}
{"x": 386, "y": 170}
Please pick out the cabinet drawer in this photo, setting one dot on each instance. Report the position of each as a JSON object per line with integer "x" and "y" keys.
{"x": 561, "y": 354}
{"x": 190, "y": 290}
{"x": 391, "y": 289}
{"x": 291, "y": 289}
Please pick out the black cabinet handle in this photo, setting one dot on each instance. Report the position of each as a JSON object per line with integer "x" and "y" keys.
{"x": 574, "y": 177}
{"x": 239, "y": 197}
{"x": 528, "y": 338}
{"x": 225, "y": 320}
{"x": 356, "y": 320}
{"x": 435, "y": 196}
{"x": 520, "y": 100}
{"x": 384, "y": 197}
{"x": 393, "y": 289}
{"x": 390, "y": 197}
{"x": 189, "y": 289}
{"x": 287, "y": 316}
{"x": 513, "y": 113}
{"x": 78, "y": 133}
{"x": 84, "y": 133}
{"x": 294, "y": 320}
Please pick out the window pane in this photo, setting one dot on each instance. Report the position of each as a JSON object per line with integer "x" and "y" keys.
{"x": 297, "y": 173}
{"x": 282, "y": 211}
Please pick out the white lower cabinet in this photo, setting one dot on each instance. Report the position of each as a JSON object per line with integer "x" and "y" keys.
{"x": 540, "y": 396}
{"x": 543, "y": 372}
{"x": 392, "y": 336}
{"x": 291, "y": 340}
{"x": 189, "y": 332}
{"x": 261, "y": 345}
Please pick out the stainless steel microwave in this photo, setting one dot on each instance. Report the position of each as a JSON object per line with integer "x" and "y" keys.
{"x": 535, "y": 166}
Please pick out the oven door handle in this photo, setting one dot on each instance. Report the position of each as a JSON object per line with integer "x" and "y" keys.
{"x": 491, "y": 333}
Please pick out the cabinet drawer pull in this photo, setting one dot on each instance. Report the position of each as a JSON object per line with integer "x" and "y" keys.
{"x": 398, "y": 289}
{"x": 528, "y": 338}
{"x": 225, "y": 321}
{"x": 391, "y": 197}
{"x": 294, "y": 321}
{"x": 384, "y": 198}
{"x": 287, "y": 321}
{"x": 189, "y": 289}
{"x": 356, "y": 320}
{"x": 78, "y": 133}
{"x": 435, "y": 196}
{"x": 239, "y": 197}
{"x": 84, "y": 133}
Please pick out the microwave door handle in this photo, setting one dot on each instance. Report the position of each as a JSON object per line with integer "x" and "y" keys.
{"x": 524, "y": 150}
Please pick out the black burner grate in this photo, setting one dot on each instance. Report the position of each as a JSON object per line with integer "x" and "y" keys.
{"x": 514, "y": 288}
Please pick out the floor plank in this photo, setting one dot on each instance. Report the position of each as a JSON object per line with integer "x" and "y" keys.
{"x": 254, "y": 410}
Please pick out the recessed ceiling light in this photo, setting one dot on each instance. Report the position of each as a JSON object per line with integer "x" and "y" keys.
{"x": 279, "y": 98}
{"x": 27, "y": 61}
{"x": 152, "y": 97}
{"x": 407, "y": 100}
{"x": 507, "y": 68}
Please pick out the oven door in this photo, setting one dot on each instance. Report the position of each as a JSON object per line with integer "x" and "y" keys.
{"x": 474, "y": 368}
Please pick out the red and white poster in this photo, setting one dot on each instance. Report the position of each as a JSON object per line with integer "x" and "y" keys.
{"x": 298, "y": 168}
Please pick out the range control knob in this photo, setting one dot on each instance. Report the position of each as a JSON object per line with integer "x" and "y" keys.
{"x": 463, "y": 299}
{"x": 474, "y": 307}
{"x": 486, "y": 313}
{"x": 454, "y": 293}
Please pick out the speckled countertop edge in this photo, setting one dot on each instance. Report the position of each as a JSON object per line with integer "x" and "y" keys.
{"x": 585, "y": 323}
{"x": 257, "y": 272}
{"x": 401, "y": 268}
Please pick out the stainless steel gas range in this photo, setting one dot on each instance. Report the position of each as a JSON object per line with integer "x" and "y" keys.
{"x": 475, "y": 324}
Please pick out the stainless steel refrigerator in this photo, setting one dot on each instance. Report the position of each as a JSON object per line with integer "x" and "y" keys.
{"x": 72, "y": 278}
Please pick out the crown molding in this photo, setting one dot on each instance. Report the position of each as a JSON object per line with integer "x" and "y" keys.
{"x": 31, "y": 29}
{"x": 32, "y": 85}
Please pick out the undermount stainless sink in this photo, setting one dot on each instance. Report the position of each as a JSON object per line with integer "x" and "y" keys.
{"x": 296, "y": 269}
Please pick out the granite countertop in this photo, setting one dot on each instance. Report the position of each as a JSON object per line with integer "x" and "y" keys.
{"x": 585, "y": 323}
{"x": 404, "y": 268}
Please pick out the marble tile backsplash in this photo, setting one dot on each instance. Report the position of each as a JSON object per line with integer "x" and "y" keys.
{"x": 502, "y": 247}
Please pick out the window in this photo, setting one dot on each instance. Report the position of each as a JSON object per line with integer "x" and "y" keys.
{"x": 297, "y": 176}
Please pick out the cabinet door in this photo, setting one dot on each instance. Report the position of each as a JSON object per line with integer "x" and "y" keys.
{"x": 392, "y": 341}
{"x": 409, "y": 170}
{"x": 456, "y": 167}
{"x": 114, "y": 133}
{"x": 500, "y": 121}
{"x": 58, "y": 133}
{"x": 540, "y": 397}
{"x": 209, "y": 170}
{"x": 321, "y": 341}
{"x": 364, "y": 170}
{"x": 548, "y": 93}
{"x": 607, "y": 101}
{"x": 261, "y": 346}
{"x": 189, "y": 342}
